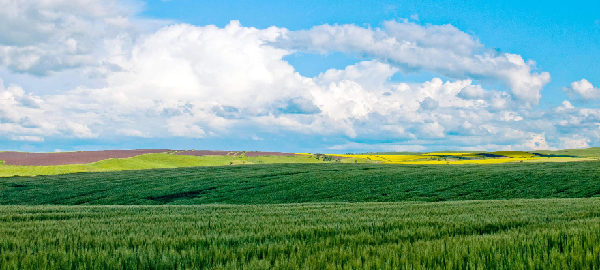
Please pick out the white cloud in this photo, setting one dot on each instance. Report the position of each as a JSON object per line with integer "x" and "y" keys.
{"x": 583, "y": 89}
{"x": 231, "y": 82}
{"x": 440, "y": 48}
{"x": 565, "y": 106}
{"x": 44, "y": 36}
{"x": 26, "y": 117}
{"x": 27, "y": 138}
{"x": 372, "y": 75}
{"x": 20, "y": 113}
{"x": 574, "y": 142}
{"x": 536, "y": 142}
{"x": 377, "y": 147}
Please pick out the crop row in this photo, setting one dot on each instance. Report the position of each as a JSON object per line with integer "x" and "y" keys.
{"x": 535, "y": 234}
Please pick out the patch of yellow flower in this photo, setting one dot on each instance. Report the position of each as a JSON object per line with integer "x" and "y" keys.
{"x": 447, "y": 154}
{"x": 446, "y": 158}
{"x": 385, "y": 158}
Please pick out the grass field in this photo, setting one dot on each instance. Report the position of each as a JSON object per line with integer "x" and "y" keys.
{"x": 170, "y": 160}
{"x": 326, "y": 215}
{"x": 589, "y": 152}
{"x": 510, "y": 234}
{"x": 151, "y": 161}
{"x": 295, "y": 183}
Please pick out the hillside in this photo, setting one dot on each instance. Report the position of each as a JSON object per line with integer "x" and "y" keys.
{"x": 294, "y": 183}
{"x": 153, "y": 161}
{"x": 31, "y": 164}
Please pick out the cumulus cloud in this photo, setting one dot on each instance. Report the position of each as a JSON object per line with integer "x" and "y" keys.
{"x": 569, "y": 120}
{"x": 44, "y": 36}
{"x": 536, "y": 142}
{"x": 26, "y": 117}
{"x": 229, "y": 82}
{"x": 20, "y": 113}
{"x": 583, "y": 89}
{"x": 574, "y": 142}
{"x": 378, "y": 147}
{"x": 440, "y": 48}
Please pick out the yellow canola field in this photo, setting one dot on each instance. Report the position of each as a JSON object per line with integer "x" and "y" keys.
{"x": 473, "y": 161}
{"x": 438, "y": 158}
{"x": 497, "y": 160}
{"x": 385, "y": 158}
{"x": 448, "y": 154}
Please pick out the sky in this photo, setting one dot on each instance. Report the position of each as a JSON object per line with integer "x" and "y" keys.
{"x": 299, "y": 76}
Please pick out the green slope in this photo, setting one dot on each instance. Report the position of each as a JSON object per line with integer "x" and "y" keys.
{"x": 512, "y": 234}
{"x": 589, "y": 152}
{"x": 293, "y": 183}
{"x": 169, "y": 160}
{"x": 151, "y": 161}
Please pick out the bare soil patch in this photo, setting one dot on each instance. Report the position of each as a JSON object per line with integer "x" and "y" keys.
{"x": 65, "y": 158}
{"x": 258, "y": 153}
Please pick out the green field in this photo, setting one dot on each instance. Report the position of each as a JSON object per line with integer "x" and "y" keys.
{"x": 306, "y": 216}
{"x": 296, "y": 183}
{"x": 151, "y": 161}
{"x": 172, "y": 160}
{"x": 589, "y": 152}
{"x": 510, "y": 234}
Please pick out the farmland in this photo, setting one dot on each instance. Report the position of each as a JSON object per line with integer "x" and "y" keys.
{"x": 151, "y": 161}
{"x": 305, "y": 211}
{"x": 509, "y": 234}
{"x": 120, "y": 160}
{"x": 297, "y": 183}
{"x": 477, "y": 157}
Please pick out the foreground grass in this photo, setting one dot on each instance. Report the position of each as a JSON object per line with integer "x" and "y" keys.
{"x": 508, "y": 234}
{"x": 296, "y": 183}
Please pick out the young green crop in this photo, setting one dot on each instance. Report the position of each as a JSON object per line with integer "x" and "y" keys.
{"x": 294, "y": 183}
{"x": 508, "y": 234}
{"x": 331, "y": 220}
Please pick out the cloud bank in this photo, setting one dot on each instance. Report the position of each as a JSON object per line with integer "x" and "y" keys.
{"x": 172, "y": 80}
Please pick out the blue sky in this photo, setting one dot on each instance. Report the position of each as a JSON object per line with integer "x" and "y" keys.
{"x": 300, "y": 76}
